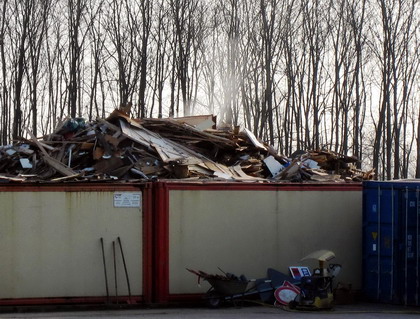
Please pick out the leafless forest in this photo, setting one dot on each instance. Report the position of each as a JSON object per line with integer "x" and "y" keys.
{"x": 301, "y": 74}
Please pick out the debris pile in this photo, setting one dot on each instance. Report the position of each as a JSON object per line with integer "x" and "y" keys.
{"x": 121, "y": 148}
{"x": 324, "y": 166}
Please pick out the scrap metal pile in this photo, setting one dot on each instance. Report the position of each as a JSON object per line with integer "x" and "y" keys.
{"x": 121, "y": 148}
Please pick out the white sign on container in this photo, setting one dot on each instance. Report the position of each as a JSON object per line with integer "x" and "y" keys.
{"x": 127, "y": 199}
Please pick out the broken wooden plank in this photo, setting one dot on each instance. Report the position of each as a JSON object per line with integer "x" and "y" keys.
{"x": 109, "y": 125}
{"x": 242, "y": 175}
{"x": 114, "y": 141}
{"x": 98, "y": 152}
{"x": 171, "y": 129}
{"x": 149, "y": 170}
{"x": 200, "y": 169}
{"x": 181, "y": 171}
{"x": 163, "y": 156}
{"x": 167, "y": 149}
{"x": 108, "y": 165}
{"x": 60, "y": 167}
{"x": 117, "y": 114}
{"x": 254, "y": 140}
{"x": 290, "y": 170}
{"x": 200, "y": 122}
{"x": 86, "y": 146}
{"x": 104, "y": 144}
{"x": 13, "y": 179}
{"x": 65, "y": 178}
{"x": 48, "y": 147}
{"x": 120, "y": 171}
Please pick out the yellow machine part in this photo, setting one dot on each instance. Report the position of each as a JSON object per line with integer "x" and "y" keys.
{"x": 324, "y": 303}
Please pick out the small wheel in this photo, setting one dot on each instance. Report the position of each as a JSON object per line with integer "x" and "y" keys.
{"x": 293, "y": 304}
{"x": 213, "y": 300}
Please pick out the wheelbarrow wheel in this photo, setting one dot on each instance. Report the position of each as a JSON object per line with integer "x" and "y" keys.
{"x": 213, "y": 300}
{"x": 293, "y": 304}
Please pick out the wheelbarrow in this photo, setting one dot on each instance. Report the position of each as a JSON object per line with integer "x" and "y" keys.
{"x": 225, "y": 288}
{"x": 228, "y": 290}
{"x": 232, "y": 288}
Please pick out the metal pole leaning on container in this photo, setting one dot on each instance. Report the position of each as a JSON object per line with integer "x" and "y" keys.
{"x": 115, "y": 271}
{"x": 106, "y": 276}
{"x": 125, "y": 269}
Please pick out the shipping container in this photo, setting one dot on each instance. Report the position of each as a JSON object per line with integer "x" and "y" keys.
{"x": 391, "y": 241}
{"x": 245, "y": 228}
{"x": 60, "y": 243}
{"x": 51, "y": 235}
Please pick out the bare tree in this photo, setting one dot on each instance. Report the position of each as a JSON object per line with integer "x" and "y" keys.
{"x": 22, "y": 22}
{"x": 97, "y": 45}
{"x": 271, "y": 25}
{"x": 160, "y": 34}
{"x": 315, "y": 28}
{"x": 357, "y": 11}
{"x": 122, "y": 28}
{"x": 185, "y": 27}
{"x": 209, "y": 52}
{"x": 5, "y": 92}
{"x": 146, "y": 14}
{"x": 76, "y": 10}
{"x": 395, "y": 39}
{"x": 200, "y": 33}
{"x": 36, "y": 38}
{"x": 56, "y": 69}
{"x": 229, "y": 73}
{"x": 292, "y": 115}
{"x": 406, "y": 65}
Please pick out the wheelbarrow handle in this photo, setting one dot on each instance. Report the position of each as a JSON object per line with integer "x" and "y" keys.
{"x": 199, "y": 274}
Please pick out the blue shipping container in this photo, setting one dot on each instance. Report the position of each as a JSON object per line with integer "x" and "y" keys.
{"x": 391, "y": 254}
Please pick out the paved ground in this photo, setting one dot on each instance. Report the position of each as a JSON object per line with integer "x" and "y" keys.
{"x": 368, "y": 311}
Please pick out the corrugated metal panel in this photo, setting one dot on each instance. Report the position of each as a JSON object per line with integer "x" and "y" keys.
{"x": 391, "y": 241}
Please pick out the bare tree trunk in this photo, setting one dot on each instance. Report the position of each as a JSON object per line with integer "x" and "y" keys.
{"x": 75, "y": 11}
{"x": 146, "y": 10}
{"x": 123, "y": 25}
{"x": 384, "y": 123}
{"x": 357, "y": 24}
{"x": 5, "y": 109}
{"x": 230, "y": 85}
{"x": 36, "y": 39}
{"x": 293, "y": 117}
{"x": 97, "y": 49}
{"x": 183, "y": 12}
{"x": 20, "y": 66}
{"x": 160, "y": 36}
{"x": 269, "y": 45}
{"x": 173, "y": 77}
